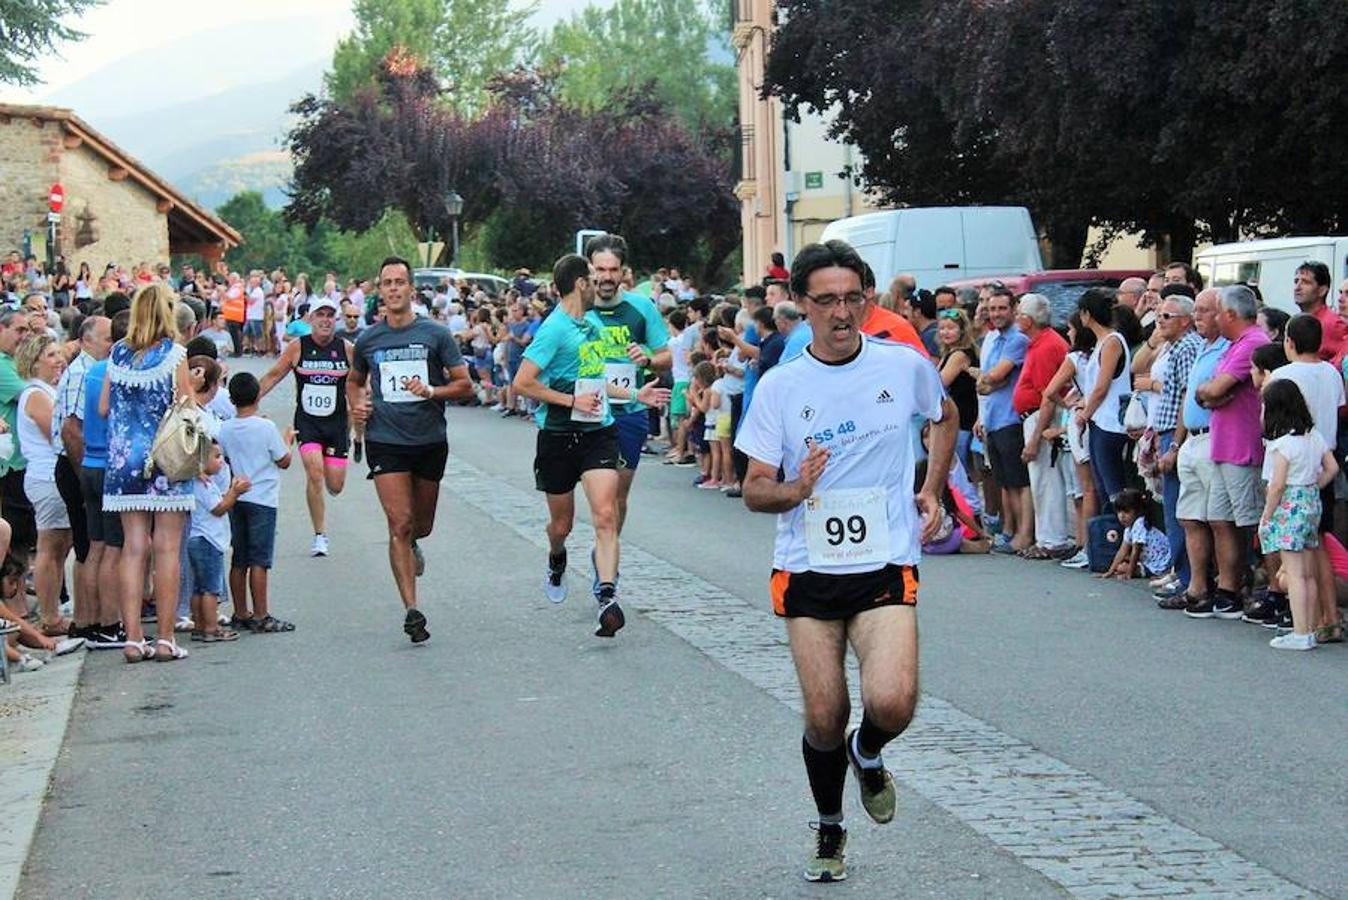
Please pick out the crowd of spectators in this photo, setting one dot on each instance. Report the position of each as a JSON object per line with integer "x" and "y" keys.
{"x": 1133, "y": 439}
{"x": 1184, "y": 434}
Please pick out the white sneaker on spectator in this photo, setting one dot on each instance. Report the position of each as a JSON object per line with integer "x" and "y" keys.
{"x": 185, "y": 624}
{"x": 27, "y": 663}
{"x": 1080, "y": 561}
{"x": 67, "y": 645}
{"x": 1293, "y": 641}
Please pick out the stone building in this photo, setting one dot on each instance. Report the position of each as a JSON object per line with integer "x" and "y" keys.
{"x": 116, "y": 210}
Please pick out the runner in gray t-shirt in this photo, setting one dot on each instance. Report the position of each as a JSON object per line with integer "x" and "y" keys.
{"x": 412, "y": 367}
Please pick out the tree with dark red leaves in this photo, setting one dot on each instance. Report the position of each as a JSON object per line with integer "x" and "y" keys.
{"x": 1182, "y": 119}
{"x": 532, "y": 169}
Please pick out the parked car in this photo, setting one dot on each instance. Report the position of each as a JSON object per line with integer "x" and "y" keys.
{"x": 1062, "y": 287}
{"x": 493, "y": 285}
{"x": 431, "y": 278}
{"x": 1272, "y": 264}
{"x": 938, "y": 244}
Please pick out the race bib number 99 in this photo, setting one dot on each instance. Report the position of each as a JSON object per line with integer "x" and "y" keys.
{"x": 847, "y": 528}
{"x": 319, "y": 400}
{"x": 396, "y": 377}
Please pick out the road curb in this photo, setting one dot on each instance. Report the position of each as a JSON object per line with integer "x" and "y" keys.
{"x": 34, "y": 711}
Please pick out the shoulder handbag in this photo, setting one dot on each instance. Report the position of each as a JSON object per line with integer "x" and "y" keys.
{"x": 181, "y": 445}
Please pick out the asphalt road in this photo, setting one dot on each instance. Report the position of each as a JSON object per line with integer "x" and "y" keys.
{"x": 517, "y": 756}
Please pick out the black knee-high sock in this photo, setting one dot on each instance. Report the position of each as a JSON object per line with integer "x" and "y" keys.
{"x": 871, "y": 738}
{"x": 827, "y": 770}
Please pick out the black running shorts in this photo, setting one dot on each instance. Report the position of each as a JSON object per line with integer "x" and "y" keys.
{"x": 424, "y": 461}
{"x": 814, "y": 595}
{"x": 333, "y": 437}
{"x": 562, "y": 456}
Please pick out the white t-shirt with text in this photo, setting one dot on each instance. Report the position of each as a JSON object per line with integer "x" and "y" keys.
{"x": 865, "y": 412}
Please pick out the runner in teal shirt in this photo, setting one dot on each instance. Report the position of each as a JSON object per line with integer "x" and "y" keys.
{"x": 566, "y": 349}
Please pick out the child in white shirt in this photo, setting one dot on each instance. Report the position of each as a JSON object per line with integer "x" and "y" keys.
{"x": 215, "y": 493}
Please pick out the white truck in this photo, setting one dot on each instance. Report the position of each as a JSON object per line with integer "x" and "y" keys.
{"x": 1272, "y": 265}
{"x": 942, "y": 243}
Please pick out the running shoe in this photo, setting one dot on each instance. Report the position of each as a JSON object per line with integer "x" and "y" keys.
{"x": 1227, "y": 605}
{"x": 419, "y": 558}
{"x": 1263, "y": 612}
{"x": 1080, "y": 561}
{"x": 107, "y": 637}
{"x": 26, "y": 663}
{"x": 709, "y": 485}
{"x": 1293, "y": 641}
{"x": 877, "y": 786}
{"x": 611, "y": 619}
{"x": 68, "y": 645}
{"x": 320, "y": 546}
{"x": 826, "y": 864}
{"x": 554, "y": 582}
{"x": 415, "y": 626}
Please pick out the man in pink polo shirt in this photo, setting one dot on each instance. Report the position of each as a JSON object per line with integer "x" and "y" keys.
{"x": 1237, "y": 450}
{"x": 1310, "y": 290}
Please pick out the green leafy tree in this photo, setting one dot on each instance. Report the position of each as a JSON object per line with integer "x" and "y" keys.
{"x": 269, "y": 241}
{"x": 676, "y": 47}
{"x": 465, "y": 42}
{"x": 30, "y": 30}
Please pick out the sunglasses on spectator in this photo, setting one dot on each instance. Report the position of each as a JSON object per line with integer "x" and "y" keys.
{"x": 948, "y": 314}
{"x": 1168, "y": 316}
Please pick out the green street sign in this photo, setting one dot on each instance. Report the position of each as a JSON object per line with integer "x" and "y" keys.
{"x": 814, "y": 181}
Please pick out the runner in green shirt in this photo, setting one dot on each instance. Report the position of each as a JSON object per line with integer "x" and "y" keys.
{"x": 563, "y": 369}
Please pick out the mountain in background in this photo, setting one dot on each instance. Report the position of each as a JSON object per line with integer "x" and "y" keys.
{"x": 219, "y": 114}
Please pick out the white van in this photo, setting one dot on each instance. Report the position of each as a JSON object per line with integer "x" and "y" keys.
{"x": 1272, "y": 265}
{"x": 942, "y": 243}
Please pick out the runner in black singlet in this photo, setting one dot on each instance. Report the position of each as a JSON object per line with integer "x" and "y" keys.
{"x": 320, "y": 362}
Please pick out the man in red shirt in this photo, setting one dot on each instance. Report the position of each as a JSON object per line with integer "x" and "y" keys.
{"x": 1310, "y": 290}
{"x": 1050, "y": 467}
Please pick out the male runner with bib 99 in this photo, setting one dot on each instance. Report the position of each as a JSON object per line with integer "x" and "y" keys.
{"x": 838, "y": 420}
{"x": 320, "y": 362}
{"x": 563, "y": 369}
{"x": 413, "y": 367}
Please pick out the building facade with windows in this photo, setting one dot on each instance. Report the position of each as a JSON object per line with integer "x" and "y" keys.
{"x": 792, "y": 178}
{"x": 116, "y": 209}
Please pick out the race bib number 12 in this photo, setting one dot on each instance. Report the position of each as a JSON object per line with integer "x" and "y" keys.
{"x": 847, "y": 528}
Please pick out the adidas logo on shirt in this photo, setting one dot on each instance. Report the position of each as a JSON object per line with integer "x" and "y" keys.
{"x": 884, "y": 397}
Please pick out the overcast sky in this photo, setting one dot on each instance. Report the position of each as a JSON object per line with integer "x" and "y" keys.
{"x": 122, "y": 27}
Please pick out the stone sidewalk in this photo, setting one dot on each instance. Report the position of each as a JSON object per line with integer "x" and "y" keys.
{"x": 34, "y": 710}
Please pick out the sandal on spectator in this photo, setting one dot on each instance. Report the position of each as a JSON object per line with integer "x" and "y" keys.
{"x": 168, "y": 651}
{"x": 220, "y": 635}
{"x": 136, "y": 651}
{"x": 272, "y": 625}
{"x": 1035, "y": 551}
{"x": 242, "y": 624}
{"x": 1329, "y": 634}
{"x": 59, "y": 628}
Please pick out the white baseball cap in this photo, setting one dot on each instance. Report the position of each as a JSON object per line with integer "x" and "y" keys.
{"x": 323, "y": 303}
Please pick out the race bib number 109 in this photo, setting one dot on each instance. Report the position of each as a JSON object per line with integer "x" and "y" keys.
{"x": 847, "y": 528}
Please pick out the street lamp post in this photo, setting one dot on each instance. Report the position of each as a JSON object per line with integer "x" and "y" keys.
{"x": 454, "y": 207}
